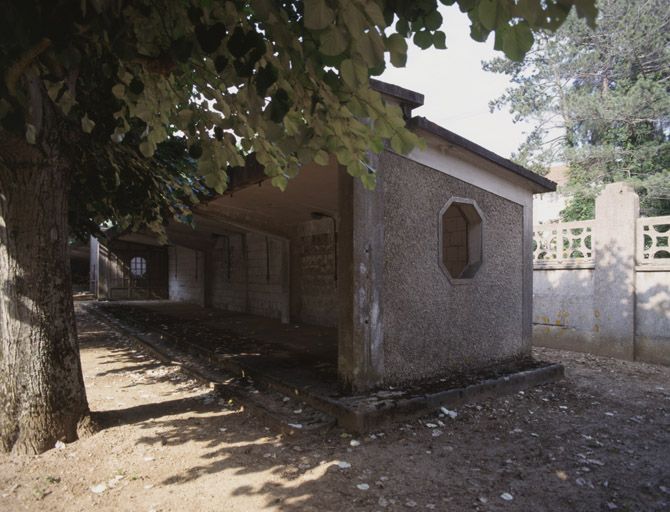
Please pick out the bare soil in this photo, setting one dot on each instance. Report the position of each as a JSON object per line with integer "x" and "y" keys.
{"x": 599, "y": 440}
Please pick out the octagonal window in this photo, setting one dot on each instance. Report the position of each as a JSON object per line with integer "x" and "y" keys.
{"x": 460, "y": 238}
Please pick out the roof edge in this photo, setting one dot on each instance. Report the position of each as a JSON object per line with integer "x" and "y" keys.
{"x": 544, "y": 184}
{"x": 410, "y": 98}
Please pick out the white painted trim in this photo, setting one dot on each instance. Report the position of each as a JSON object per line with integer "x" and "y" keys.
{"x": 439, "y": 156}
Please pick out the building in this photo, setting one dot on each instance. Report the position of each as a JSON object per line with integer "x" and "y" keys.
{"x": 428, "y": 275}
{"x": 547, "y": 207}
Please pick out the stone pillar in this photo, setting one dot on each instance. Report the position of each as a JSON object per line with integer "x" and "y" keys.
{"x": 360, "y": 265}
{"x": 617, "y": 209}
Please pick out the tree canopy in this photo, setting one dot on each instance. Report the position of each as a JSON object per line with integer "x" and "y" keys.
{"x": 600, "y": 102}
{"x": 285, "y": 80}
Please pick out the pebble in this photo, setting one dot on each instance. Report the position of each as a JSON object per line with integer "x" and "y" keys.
{"x": 343, "y": 465}
{"x": 362, "y": 487}
{"x": 507, "y": 496}
{"x": 99, "y": 489}
{"x": 354, "y": 443}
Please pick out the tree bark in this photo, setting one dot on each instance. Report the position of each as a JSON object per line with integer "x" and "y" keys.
{"x": 42, "y": 395}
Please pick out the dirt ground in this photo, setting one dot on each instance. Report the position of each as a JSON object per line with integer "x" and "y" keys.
{"x": 599, "y": 440}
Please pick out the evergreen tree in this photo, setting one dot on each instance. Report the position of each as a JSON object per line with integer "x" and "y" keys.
{"x": 600, "y": 102}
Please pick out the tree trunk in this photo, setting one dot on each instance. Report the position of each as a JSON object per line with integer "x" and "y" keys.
{"x": 42, "y": 395}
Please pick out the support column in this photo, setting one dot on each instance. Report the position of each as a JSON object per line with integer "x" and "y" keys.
{"x": 286, "y": 281}
{"x": 360, "y": 267}
{"x": 208, "y": 277}
{"x": 617, "y": 209}
{"x": 527, "y": 276}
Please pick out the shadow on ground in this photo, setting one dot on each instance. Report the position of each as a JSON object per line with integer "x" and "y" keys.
{"x": 596, "y": 441}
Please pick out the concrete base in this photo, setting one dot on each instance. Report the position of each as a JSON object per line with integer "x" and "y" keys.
{"x": 356, "y": 413}
{"x": 364, "y": 413}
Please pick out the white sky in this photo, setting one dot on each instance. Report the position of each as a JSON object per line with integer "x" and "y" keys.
{"x": 456, "y": 89}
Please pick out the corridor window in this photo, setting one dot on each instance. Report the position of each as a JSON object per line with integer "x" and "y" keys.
{"x": 138, "y": 266}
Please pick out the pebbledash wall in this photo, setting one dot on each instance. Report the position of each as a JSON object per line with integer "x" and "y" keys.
{"x": 603, "y": 286}
{"x": 432, "y": 326}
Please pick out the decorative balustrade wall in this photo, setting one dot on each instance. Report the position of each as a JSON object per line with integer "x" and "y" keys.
{"x": 653, "y": 234}
{"x": 603, "y": 285}
{"x": 564, "y": 244}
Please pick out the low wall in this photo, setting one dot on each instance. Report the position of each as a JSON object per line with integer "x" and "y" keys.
{"x": 652, "y": 316}
{"x": 566, "y": 316}
{"x": 603, "y": 286}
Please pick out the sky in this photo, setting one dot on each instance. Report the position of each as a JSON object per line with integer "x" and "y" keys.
{"x": 457, "y": 91}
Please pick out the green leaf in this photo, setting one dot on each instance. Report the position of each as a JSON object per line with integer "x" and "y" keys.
{"x": 375, "y": 13}
{"x": 147, "y": 148}
{"x": 402, "y": 27}
{"x": 478, "y": 32}
{"x": 517, "y": 40}
{"x": 423, "y": 39}
{"x": 321, "y": 158}
{"x": 318, "y": 15}
{"x": 280, "y": 182}
{"x": 86, "y": 124}
{"x": 397, "y": 46}
{"x": 348, "y": 73}
{"x": 333, "y": 42}
{"x": 433, "y": 20}
{"x": 530, "y": 10}
{"x": 119, "y": 91}
{"x": 492, "y": 13}
{"x": 440, "y": 40}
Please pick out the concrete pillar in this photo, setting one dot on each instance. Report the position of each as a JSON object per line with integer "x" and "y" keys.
{"x": 360, "y": 266}
{"x": 617, "y": 209}
{"x": 527, "y": 262}
{"x": 285, "y": 281}
{"x": 208, "y": 277}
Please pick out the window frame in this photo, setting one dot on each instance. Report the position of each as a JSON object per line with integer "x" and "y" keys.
{"x": 144, "y": 265}
{"x": 475, "y": 240}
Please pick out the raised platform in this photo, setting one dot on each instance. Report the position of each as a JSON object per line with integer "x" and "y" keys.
{"x": 300, "y": 361}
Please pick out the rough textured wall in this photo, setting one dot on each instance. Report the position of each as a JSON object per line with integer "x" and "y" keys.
{"x": 564, "y": 313}
{"x": 432, "y": 327}
{"x": 264, "y": 276}
{"x": 186, "y": 275}
{"x": 314, "y": 262}
{"x": 229, "y": 274}
{"x": 652, "y": 317}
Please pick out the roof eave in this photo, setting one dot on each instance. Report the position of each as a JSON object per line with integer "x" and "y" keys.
{"x": 539, "y": 184}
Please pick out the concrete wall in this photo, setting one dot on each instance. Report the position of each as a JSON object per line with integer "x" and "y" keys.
{"x": 313, "y": 273}
{"x": 567, "y": 314}
{"x": 248, "y": 272}
{"x": 430, "y": 326}
{"x": 652, "y": 316}
{"x": 267, "y": 276}
{"x": 228, "y": 279}
{"x": 186, "y": 275}
{"x": 613, "y": 301}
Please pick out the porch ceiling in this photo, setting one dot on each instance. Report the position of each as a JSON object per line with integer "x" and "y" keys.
{"x": 313, "y": 190}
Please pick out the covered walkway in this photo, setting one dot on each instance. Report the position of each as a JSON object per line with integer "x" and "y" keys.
{"x": 292, "y": 355}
